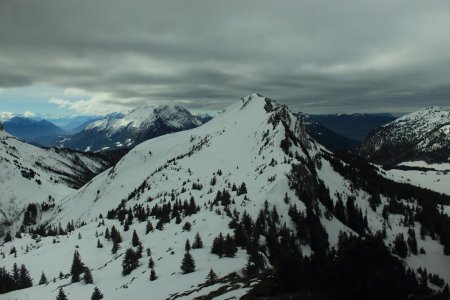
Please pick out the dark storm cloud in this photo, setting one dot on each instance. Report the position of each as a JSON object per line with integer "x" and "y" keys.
{"x": 317, "y": 56}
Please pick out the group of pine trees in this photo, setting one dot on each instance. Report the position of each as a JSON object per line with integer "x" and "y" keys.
{"x": 19, "y": 278}
{"x": 434, "y": 222}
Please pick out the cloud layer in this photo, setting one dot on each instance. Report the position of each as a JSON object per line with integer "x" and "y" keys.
{"x": 317, "y": 56}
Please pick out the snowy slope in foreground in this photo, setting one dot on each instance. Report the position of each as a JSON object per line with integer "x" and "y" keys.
{"x": 255, "y": 141}
{"x": 29, "y": 174}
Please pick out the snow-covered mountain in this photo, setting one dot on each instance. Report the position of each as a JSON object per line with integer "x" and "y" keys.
{"x": 142, "y": 123}
{"x": 29, "y": 174}
{"x": 252, "y": 173}
{"x": 420, "y": 136}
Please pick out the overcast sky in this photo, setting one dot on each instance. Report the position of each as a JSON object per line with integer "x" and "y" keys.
{"x": 98, "y": 56}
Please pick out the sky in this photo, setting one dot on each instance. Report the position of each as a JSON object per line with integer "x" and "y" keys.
{"x": 93, "y": 57}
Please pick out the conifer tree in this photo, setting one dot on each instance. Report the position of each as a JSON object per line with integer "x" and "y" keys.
{"x": 107, "y": 236}
{"x": 25, "y": 278}
{"x": 130, "y": 262}
{"x": 96, "y": 295}
{"x": 187, "y": 246}
{"x": 229, "y": 246}
{"x": 151, "y": 263}
{"x": 135, "y": 240}
{"x": 242, "y": 189}
{"x": 99, "y": 244}
{"x": 188, "y": 263}
{"x": 77, "y": 267}
{"x": 153, "y": 276}
{"x": 61, "y": 295}
{"x": 400, "y": 247}
{"x": 412, "y": 242}
{"x": 16, "y": 276}
{"x": 211, "y": 278}
{"x": 198, "y": 243}
{"x": 43, "y": 279}
{"x": 8, "y": 237}
{"x": 148, "y": 227}
{"x": 87, "y": 276}
{"x": 115, "y": 247}
{"x": 218, "y": 245}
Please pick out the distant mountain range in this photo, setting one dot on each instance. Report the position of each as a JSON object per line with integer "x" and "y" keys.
{"x": 118, "y": 130}
{"x": 353, "y": 126}
{"x": 325, "y": 136}
{"x": 28, "y": 128}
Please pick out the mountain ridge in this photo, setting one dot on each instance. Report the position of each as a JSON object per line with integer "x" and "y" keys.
{"x": 422, "y": 135}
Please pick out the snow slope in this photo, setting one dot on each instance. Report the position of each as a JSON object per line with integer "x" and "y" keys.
{"x": 256, "y": 141}
{"x": 29, "y": 174}
{"x": 420, "y": 173}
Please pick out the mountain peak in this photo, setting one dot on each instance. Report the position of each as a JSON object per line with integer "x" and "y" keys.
{"x": 138, "y": 125}
{"x": 254, "y": 97}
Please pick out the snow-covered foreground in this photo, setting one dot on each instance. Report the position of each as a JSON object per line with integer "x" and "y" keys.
{"x": 256, "y": 141}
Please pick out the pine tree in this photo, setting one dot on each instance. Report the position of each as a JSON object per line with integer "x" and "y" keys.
{"x": 77, "y": 267}
{"x": 115, "y": 247}
{"x": 211, "y": 278}
{"x": 400, "y": 247}
{"x": 130, "y": 262}
{"x": 25, "y": 279}
{"x": 218, "y": 245}
{"x": 43, "y": 279}
{"x": 187, "y": 226}
{"x": 96, "y": 295}
{"x": 107, "y": 236}
{"x": 198, "y": 243}
{"x": 148, "y": 227}
{"x": 8, "y": 237}
{"x": 153, "y": 276}
{"x": 242, "y": 189}
{"x": 16, "y": 276}
{"x": 229, "y": 246}
{"x": 99, "y": 244}
{"x": 61, "y": 295}
{"x": 187, "y": 246}
{"x": 412, "y": 242}
{"x": 87, "y": 276}
{"x": 188, "y": 263}
{"x": 135, "y": 240}
{"x": 151, "y": 263}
